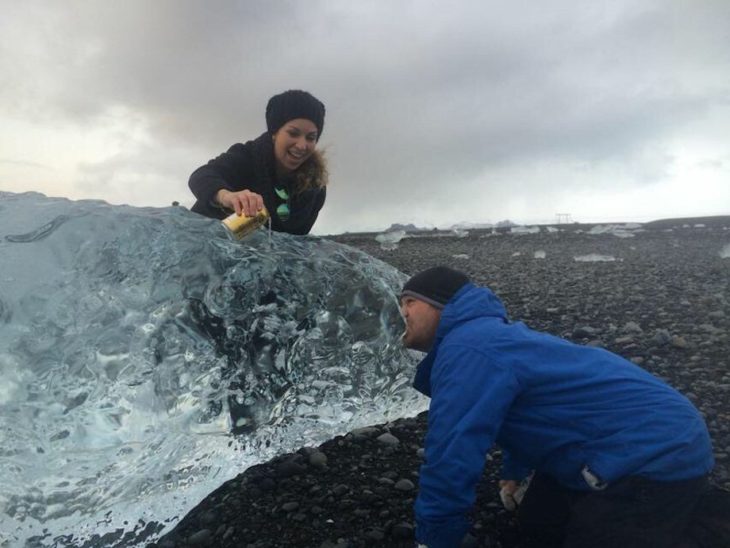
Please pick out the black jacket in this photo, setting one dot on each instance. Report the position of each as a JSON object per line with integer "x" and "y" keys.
{"x": 251, "y": 166}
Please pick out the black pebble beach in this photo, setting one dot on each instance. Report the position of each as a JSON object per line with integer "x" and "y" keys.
{"x": 663, "y": 303}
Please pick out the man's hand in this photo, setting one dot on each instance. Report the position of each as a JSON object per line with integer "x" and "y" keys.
{"x": 244, "y": 201}
{"x": 511, "y": 493}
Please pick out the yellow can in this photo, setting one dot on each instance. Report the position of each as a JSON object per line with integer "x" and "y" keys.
{"x": 241, "y": 226}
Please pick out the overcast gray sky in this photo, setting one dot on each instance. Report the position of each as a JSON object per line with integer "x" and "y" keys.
{"x": 437, "y": 113}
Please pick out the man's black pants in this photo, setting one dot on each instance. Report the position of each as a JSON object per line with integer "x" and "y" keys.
{"x": 631, "y": 513}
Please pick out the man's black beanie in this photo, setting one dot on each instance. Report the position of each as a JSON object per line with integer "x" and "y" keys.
{"x": 436, "y": 286}
{"x": 292, "y": 104}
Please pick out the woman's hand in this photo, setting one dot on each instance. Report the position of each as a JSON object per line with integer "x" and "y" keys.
{"x": 244, "y": 201}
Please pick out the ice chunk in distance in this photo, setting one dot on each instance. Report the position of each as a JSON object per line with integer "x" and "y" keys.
{"x": 146, "y": 357}
{"x": 389, "y": 240}
{"x": 594, "y": 258}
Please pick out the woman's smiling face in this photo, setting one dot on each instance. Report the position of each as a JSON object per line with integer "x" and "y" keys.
{"x": 294, "y": 142}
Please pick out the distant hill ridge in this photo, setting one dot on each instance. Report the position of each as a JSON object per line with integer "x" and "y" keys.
{"x": 709, "y": 221}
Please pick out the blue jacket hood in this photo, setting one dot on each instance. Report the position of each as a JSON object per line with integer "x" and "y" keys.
{"x": 469, "y": 303}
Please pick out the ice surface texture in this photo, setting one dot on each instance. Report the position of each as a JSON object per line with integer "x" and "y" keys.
{"x": 146, "y": 357}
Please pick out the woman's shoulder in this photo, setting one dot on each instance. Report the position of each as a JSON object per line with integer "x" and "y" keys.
{"x": 247, "y": 147}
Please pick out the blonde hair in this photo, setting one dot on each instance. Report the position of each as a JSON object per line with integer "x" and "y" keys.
{"x": 313, "y": 173}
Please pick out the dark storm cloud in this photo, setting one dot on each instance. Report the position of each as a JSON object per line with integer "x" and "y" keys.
{"x": 416, "y": 95}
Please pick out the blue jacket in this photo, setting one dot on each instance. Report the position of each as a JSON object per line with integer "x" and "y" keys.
{"x": 551, "y": 405}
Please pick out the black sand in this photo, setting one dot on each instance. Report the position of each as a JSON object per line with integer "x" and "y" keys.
{"x": 663, "y": 303}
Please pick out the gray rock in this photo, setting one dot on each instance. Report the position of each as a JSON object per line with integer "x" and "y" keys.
{"x": 201, "y": 538}
{"x": 584, "y": 332}
{"x": 318, "y": 459}
{"x": 631, "y": 327}
{"x": 290, "y": 468}
{"x": 661, "y": 337}
{"x": 368, "y": 431}
{"x": 375, "y": 534}
{"x": 403, "y": 531}
{"x": 404, "y": 485}
{"x": 341, "y": 489}
{"x": 388, "y": 439}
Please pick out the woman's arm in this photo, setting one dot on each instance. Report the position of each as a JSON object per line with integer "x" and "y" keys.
{"x": 220, "y": 184}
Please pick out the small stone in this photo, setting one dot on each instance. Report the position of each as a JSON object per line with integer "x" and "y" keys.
{"x": 290, "y": 506}
{"x": 267, "y": 484}
{"x": 661, "y": 337}
{"x": 201, "y": 538}
{"x": 290, "y": 468}
{"x": 469, "y": 541}
{"x": 375, "y": 534}
{"x": 388, "y": 439}
{"x": 404, "y": 485}
{"x": 318, "y": 459}
{"x": 209, "y": 517}
{"x": 368, "y": 431}
{"x": 631, "y": 327}
{"x": 339, "y": 490}
{"x": 402, "y": 531}
{"x": 584, "y": 332}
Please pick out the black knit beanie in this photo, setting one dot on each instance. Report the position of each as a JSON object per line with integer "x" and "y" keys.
{"x": 292, "y": 104}
{"x": 436, "y": 286}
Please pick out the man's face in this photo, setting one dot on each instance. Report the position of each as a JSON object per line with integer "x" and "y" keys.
{"x": 421, "y": 319}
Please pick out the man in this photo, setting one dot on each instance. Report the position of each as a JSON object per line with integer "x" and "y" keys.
{"x": 620, "y": 459}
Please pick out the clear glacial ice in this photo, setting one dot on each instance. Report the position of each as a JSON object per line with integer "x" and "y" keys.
{"x": 146, "y": 357}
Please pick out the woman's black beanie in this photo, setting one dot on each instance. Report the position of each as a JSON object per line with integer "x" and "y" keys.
{"x": 436, "y": 286}
{"x": 292, "y": 104}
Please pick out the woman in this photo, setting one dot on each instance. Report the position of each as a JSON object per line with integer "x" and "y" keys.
{"x": 281, "y": 169}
